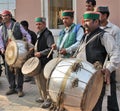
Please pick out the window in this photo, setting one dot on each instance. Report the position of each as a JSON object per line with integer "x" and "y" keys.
{"x": 52, "y": 9}
{"x": 55, "y": 9}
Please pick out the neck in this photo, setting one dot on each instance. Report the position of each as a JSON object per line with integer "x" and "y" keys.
{"x": 104, "y": 23}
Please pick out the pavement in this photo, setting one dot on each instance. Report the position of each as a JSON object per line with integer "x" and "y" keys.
{"x": 15, "y": 103}
{"x": 26, "y": 103}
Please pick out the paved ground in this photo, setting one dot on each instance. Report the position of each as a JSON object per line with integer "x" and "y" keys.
{"x": 14, "y": 103}
{"x": 26, "y": 103}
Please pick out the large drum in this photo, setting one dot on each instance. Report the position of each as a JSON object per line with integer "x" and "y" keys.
{"x": 31, "y": 67}
{"x": 73, "y": 84}
{"x": 16, "y": 53}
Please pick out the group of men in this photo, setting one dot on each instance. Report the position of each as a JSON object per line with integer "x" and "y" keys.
{"x": 94, "y": 40}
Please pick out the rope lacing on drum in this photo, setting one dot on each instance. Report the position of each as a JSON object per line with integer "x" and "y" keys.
{"x": 72, "y": 68}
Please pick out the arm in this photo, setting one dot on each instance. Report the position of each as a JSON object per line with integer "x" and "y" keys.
{"x": 112, "y": 50}
{"x": 1, "y": 41}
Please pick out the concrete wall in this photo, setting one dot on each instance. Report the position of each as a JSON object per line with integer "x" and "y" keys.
{"x": 28, "y": 10}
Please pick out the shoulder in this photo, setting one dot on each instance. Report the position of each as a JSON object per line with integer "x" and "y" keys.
{"x": 47, "y": 32}
{"x": 114, "y": 27}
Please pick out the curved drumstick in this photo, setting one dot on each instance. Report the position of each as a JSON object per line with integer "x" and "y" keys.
{"x": 49, "y": 53}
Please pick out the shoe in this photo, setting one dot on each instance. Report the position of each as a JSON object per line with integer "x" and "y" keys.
{"x": 32, "y": 82}
{"x": 11, "y": 91}
{"x": 20, "y": 94}
{"x": 27, "y": 79}
{"x": 46, "y": 104}
{"x": 39, "y": 100}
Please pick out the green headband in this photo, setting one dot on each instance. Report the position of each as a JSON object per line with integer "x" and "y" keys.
{"x": 68, "y": 14}
{"x": 39, "y": 19}
{"x": 91, "y": 16}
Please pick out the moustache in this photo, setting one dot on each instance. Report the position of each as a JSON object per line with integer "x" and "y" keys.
{"x": 86, "y": 26}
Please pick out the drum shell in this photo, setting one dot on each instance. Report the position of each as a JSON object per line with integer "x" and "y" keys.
{"x": 73, "y": 96}
{"x": 21, "y": 50}
{"x": 28, "y": 70}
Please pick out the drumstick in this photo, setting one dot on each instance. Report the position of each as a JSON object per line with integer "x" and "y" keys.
{"x": 49, "y": 53}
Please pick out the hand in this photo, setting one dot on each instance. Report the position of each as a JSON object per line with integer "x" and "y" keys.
{"x": 106, "y": 73}
{"x": 2, "y": 51}
{"x": 31, "y": 49}
{"x": 63, "y": 51}
{"x": 53, "y": 46}
{"x": 37, "y": 54}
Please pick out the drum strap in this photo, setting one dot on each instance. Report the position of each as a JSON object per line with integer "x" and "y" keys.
{"x": 62, "y": 88}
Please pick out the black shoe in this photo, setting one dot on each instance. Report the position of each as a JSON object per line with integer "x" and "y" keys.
{"x": 46, "y": 104}
{"x": 11, "y": 91}
{"x": 32, "y": 82}
{"x": 39, "y": 100}
{"x": 27, "y": 79}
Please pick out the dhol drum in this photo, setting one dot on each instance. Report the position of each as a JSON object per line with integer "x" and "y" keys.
{"x": 31, "y": 67}
{"x": 16, "y": 53}
{"x": 73, "y": 84}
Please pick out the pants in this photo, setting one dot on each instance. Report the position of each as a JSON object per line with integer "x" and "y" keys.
{"x": 41, "y": 84}
{"x": 15, "y": 78}
{"x": 112, "y": 104}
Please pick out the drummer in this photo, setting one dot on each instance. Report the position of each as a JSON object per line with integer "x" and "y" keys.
{"x": 104, "y": 45}
{"x": 18, "y": 32}
{"x": 42, "y": 48}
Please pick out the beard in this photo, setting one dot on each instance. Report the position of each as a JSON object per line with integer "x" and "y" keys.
{"x": 86, "y": 29}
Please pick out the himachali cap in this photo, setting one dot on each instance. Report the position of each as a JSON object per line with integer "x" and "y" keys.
{"x": 91, "y": 15}
{"x": 103, "y": 9}
{"x": 40, "y": 19}
{"x": 68, "y": 13}
{"x": 6, "y": 12}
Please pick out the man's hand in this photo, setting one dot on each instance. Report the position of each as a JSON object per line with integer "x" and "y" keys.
{"x": 53, "y": 46}
{"x": 2, "y": 51}
{"x": 106, "y": 73}
{"x": 63, "y": 51}
{"x": 37, "y": 54}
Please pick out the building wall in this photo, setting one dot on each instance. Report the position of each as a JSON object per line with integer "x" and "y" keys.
{"x": 29, "y": 9}
{"x": 113, "y": 6}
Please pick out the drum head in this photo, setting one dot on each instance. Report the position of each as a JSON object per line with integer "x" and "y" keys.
{"x": 11, "y": 53}
{"x": 50, "y": 66}
{"x": 92, "y": 92}
{"x": 31, "y": 67}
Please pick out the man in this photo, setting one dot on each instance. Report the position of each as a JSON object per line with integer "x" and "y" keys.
{"x": 42, "y": 48}
{"x": 25, "y": 24}
{"x": 69, "y": 38}
{"x": 115, "y": 32}
{"x": 96, "y": 45}
{"x": 15, "y": 80}
{"x": 90, "y": 5}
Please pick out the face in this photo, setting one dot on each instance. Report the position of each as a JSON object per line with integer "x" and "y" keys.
{"x": 67, "y": 21}
{"x": 40, "y": 26}
{"x": 6, "y": 18}
{"x": 89, "y": 7}
{"x": 103, "y": 18}
{"x": 90, "y": 25}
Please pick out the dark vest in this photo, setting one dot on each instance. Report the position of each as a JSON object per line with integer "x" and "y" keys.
{"x": 95, "y": 51}
{"x": 16, "y": 32}
{"x": 42, "y": 45}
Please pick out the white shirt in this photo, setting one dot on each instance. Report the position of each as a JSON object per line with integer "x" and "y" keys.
{"x": 114, "y": 30}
